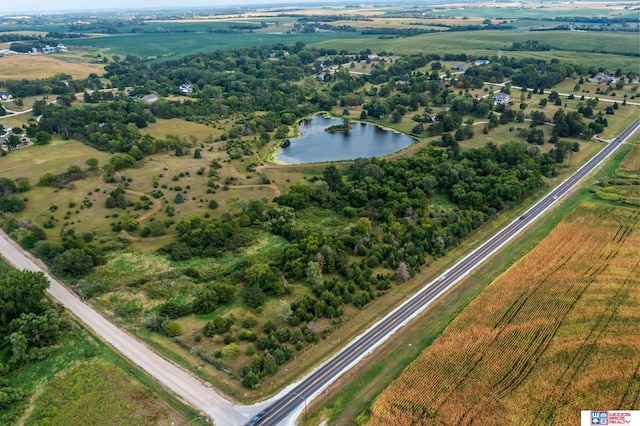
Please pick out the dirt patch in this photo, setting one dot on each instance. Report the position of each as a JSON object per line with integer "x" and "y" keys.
{"x": 38, "y": 161}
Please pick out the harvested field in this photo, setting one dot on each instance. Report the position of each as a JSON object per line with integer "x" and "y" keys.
{"x": 17, "y": 67}
{"x": 555, "y": 334}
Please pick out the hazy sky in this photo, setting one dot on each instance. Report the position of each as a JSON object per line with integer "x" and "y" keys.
{"x": 31, "y": 6}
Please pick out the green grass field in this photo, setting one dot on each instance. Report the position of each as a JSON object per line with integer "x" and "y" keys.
{"x": 489, "y": 43}
{"x": 84, "y": 382}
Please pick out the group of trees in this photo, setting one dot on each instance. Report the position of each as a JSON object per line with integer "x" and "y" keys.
{"x": 10, "y": 201}
{"x": 395, "y": 225}
{"x": 29, "y": 326}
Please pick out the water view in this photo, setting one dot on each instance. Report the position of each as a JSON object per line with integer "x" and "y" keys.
{"x": 363, "y": 140}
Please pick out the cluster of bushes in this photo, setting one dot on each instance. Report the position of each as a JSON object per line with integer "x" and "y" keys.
{"x": 10, "y": 202}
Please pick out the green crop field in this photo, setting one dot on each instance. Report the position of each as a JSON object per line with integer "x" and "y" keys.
{"x": 180, "y": 44}
{"x": 474, "y": 41}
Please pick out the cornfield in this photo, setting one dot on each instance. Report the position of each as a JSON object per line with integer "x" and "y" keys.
{"x": 557, "y": 333}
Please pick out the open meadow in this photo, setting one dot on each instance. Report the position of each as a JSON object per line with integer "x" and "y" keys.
{"x": 537, "y": 344}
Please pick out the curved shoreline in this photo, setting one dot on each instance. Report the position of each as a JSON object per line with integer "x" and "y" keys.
{"x": 273, "y": 158}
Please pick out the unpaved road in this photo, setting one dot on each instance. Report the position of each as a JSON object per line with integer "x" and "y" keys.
{"x": 187, "y": 387}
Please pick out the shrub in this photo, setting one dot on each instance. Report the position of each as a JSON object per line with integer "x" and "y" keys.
{"x": 172, "y": 329}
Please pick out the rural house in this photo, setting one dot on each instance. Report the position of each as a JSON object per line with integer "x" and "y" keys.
{"x": 501, "y": 98}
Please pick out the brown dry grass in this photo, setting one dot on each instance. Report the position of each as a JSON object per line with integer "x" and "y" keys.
{"x": 175, "y": 126}
{"x": 554, "y": 334}
{"x": 17, "y": 67}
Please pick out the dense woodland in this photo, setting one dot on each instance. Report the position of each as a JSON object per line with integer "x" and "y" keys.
{"x": 397, "y": 215}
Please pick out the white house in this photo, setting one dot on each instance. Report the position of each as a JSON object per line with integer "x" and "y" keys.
{"x": 479, "y": 62}
{"x": 6, "y": 96}
{"x": 501, "y": 98}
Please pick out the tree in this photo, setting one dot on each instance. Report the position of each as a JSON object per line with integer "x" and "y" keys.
{"x": 172, "y": 328}
{"x": 13, "y": 140}
{"x": 74, "y": 262}
{"x": 251, "y": 380}
{"x": 39, "y": 330}
{"x": 21, "y": 292}
{"x": 536, "y": 136}
{"x": 402, "y": 273}
{"x": 225, "y": 292}
{"x": 42, "y": 138}
{"x": 11, "y": 204}
{"x": 264, "y": 277}
{"x": 179, "y": 198}
{"x": 92, "y": 163}
{"x": 269, "y": 364}
{"x": 197, "y": 153}
{"x": 206, "y": 302}
{"x": 332, "y": 176}
{"x": 219, "y": 325}
{"x": 314, "y": 273}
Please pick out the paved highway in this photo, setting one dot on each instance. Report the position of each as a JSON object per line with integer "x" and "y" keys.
{"x": 288, "y": 406}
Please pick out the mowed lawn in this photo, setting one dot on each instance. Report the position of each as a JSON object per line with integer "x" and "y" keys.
{"x": 555, "y": 334}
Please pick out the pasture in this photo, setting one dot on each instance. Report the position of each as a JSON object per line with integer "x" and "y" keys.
{"x": 536, "y": 344}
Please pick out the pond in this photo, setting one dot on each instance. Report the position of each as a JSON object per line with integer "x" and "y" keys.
{"x": 363, "y": 140}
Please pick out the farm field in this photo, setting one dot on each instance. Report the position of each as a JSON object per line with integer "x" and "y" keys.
{"x": 536, "y": 345}
{"x": 17, "y": 67}
{"x": 489, "y": 43}
{"x": 174, "y": 45}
